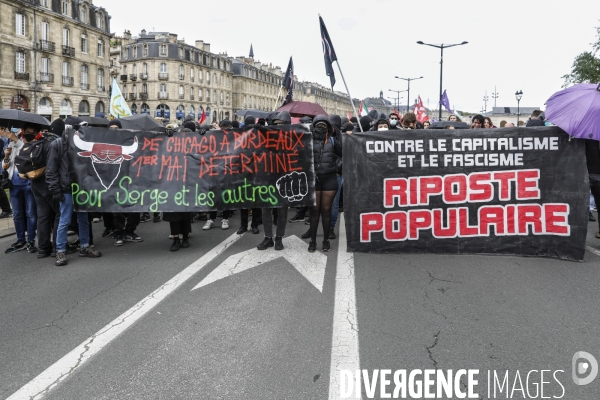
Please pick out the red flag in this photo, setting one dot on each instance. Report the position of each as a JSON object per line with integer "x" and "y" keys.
{"x": 349, "y": 114}
{"x": 202, "y": 117}
{"x": 420, "y": 111}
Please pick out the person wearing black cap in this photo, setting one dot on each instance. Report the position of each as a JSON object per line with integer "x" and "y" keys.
{"x": 115, "y": 124}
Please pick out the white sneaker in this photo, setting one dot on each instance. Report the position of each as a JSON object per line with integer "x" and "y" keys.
{"x": 225, "y": 224}
{"x": 96, "y": 220}
{"x": 208, "y": 225}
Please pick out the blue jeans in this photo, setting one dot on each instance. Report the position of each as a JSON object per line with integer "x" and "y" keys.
{"x": 24, "y": 212}
{"x": 66, "y": 210}
{"x": 335, "y": 210}
{"x": 592, "y": 202}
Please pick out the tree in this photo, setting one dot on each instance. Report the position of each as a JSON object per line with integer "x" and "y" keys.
{"x": 586, "y": 66}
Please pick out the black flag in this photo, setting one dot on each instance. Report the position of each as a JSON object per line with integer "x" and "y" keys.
{"x": 288, "y": 81}
{"x": 328, "y": 52}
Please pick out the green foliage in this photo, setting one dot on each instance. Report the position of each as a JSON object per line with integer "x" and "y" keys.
{"x": 586, "y": 66}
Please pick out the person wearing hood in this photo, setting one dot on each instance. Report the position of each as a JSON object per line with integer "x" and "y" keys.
{"x": 365, "y": 124}
{"x": 269, "y": 119}
{"x": 382, "y": 125}
{"x": 256, "y": 212}
{"x": 280, "y": 219}
{"x": 21, "y": 195}
{"x": 58, "y": 178}
{"x": 326, "y": 150}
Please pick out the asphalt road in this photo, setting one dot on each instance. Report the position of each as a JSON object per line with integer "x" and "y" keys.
{"x": 266, "y": 332}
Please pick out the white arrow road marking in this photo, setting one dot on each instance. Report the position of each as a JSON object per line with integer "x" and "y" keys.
{"x": 593, "y": 250}
{"x": 310, "y": 265}
{"x": 63, "y": 368}
{"x": 344, "y": 341}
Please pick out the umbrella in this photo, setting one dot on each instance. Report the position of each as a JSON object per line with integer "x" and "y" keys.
{"x": 17, "y": 118}
{"x": 254, "y": 113}
{"x": 576, "y": 110}
{"x": 95, "y": 121}
{"x": 303, "y": 108}
{"x": 142, "y": 122}
{"x": 455, "y": 124}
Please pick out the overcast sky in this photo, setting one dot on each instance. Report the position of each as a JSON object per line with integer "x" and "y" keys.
{"x": 513, "y": 44}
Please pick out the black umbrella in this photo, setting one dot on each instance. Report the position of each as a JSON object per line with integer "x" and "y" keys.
{"x": 95, "y": 121}
{"x": 254, "y": 113}
{"x": 142, "y": 122}
{"x": 455, "y": 124}
{"x": 17, "y": 118}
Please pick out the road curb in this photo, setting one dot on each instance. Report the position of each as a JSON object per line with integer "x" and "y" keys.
{"x": 7, "y": 232}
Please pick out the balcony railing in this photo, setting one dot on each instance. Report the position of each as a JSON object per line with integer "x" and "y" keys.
{"x": 191, "y": 79}
{"x": 163, "y": 95}
{"x": 123, "y": 78}
{"x": 199, "y": 98}
{"x": 46, "y": 77}
{"x": 67, "y": 81}
{"x": 48, "y": 47}
{"x": 68, "y": 51}
{"x": 191, "y": 97}
{"x": 143, "y": 96}
{"x": 101, "y": 88}
{"x": 133, "y": 77}
{"x": 181, "y": 77}
{"x": 132, "y": 96}
{"x": 22, "y": 76}
{"x": 85, "y": 86}
{"x": 143, "y": 76}
{"x": 163, "y": 75}
{"x": 181, "y": 97}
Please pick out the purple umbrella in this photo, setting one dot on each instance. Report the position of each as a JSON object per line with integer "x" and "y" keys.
{"x": 576, "y": 110}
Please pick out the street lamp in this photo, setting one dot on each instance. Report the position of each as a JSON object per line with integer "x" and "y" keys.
{"x": 408, "y": 90}
{"x": 495, "y": 95}
{"x": 398, "y": 94}
{"x": 396, "y": 102}
{"x": 485, "y": 100}
{"x": 441, "y": 47}
{"x": 518, "y": 95}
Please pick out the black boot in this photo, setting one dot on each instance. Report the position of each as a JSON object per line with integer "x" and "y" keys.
{"x": 185, "y": 243}
{"x": 268, "y": 242}
{"x": 278, "y": 243}
{"x": 176, "y": 244}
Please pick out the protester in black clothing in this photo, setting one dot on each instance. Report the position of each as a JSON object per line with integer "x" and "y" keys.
{"x": 326, "y": 149}
{"x": 592, "y": 154}
{"x": 256, "y": 212}
{"x": 365, "y": 123}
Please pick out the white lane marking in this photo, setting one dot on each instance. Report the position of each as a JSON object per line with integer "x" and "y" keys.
{"x": 344, "y": 341}
{"x": 39, "y": 386}
{"x": 310, "y": 265}
{"x": 593, "y": 250}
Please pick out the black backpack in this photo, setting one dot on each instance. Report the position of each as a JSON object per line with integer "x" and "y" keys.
{"x": 32, "y": 159}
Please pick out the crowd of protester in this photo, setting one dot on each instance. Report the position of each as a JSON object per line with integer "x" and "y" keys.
{"x": 41, "y": 204}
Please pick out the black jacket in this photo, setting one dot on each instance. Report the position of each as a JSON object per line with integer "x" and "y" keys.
{"x": 592, "y": 154}
{"x": 326, "y": 156}
{"x": 58, "y": 177}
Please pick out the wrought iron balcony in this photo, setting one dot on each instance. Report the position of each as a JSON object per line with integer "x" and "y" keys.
{"x": 143, "y": 96}
{"x": 199, "y": 98}
{"x": 132, "y": 96}
{"x": 22, "y": 76}
{"x": 67, "y": 81}
{"x": 124, "y": 78}
{"x": 191, "y": 79}
{"x": 163, "y": 95}
{"x": 143, "y": 76}
{"x": 133, "y": 77}
{"x": 45, "y": 77}
{"x": 181, "y": 77}
{"x": 68, "y": 51}
{"x": 101, "y": 88}
{"x": 181, "y": 97}
{"x": 163, "y": 75}
{"x": 85, "y": 86}
{"x": 191, "y": 97}
{"x": 46, "y": 46}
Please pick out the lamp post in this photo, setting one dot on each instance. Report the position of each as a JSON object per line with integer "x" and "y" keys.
{"x": 396, "y": 102}
{"x": 441, "y": 47}
{"x": 485, "y": 100}
{"x": 408, "y": 90}
{"x": 518, "y": 95}
{"x": 398, "y": 94}
{"x": 495, "y": 95}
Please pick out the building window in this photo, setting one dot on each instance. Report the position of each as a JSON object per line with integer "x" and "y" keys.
{"x": 221, "y": 80}
{"x": 163, "y": 88}
{"x": 65, "y": 7}
{"x": 66, "y": 37}
{"x": 207, "y": 94}
{"x": 84, "y": 75}
{"x": 20, "y": 62}
{"x": 144, "y": 88}
{"x": 134, "y": 90}
{"x": 44, "y": 3}
{"x": 100, "y": 79}
{"x": 134, "y": 51}
{"x": 163, "y": 50}
{"x": 181, "y": 72}
{"x": 191, "y": 93}
{"x": 145, "y": 50}
{"x": 84, "y": 44}
{"x": 163, "y": 67}
{"x": 99, "y": 20}
{"x": 200, "y": 76}
{"x": 45, "y": 68}
{"x": 45, "y": 31}
{"x": 82, "y": 14}
{"x": 100, "y": 48}
{"x": 181, "y": 52}
{"x": 125, "y": 91}
{"x": 180, "y": 91}
{"x": 192, "y": 74}
{"x": 200, "y": 94}
{"x": 208, "y": 78}
{"x": 134, "y": 72}
{"x": 20, "y": 24}
{"x": 145, "y": 69}
{"x": 214, "y": 79}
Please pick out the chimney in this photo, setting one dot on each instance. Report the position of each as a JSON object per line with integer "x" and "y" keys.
{"x": 207, "y": 47}
{"x": 199, "y": 44}
{"x": 127, "y": 35}
{"x": 143, "y": 33}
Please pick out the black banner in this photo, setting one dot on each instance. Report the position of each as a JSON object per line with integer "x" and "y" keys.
{"x": 518, "y": 191}
{"x": 134, "y": 171}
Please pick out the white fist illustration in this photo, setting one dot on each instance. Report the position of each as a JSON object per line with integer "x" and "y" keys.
{"x": 293, "y": 186}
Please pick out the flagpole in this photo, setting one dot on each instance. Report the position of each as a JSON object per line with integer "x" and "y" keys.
{"x": 278, "y": 96}
{"x": 348, "y": 91}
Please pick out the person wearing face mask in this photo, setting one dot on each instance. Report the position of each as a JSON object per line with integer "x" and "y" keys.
{"x": 394, "y": 120}
{"x": 21, "y": 197}
{"x": 326, "y": 150}
{"x": 382, "y": 125}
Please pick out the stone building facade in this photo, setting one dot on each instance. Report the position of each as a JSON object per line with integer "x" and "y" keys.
{"x": 333, "y": 102}
{"x": 165, "y": 77}
{"x": 54, "y": 57}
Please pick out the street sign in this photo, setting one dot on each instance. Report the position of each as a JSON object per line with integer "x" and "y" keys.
{"x": 310, "y": 265}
